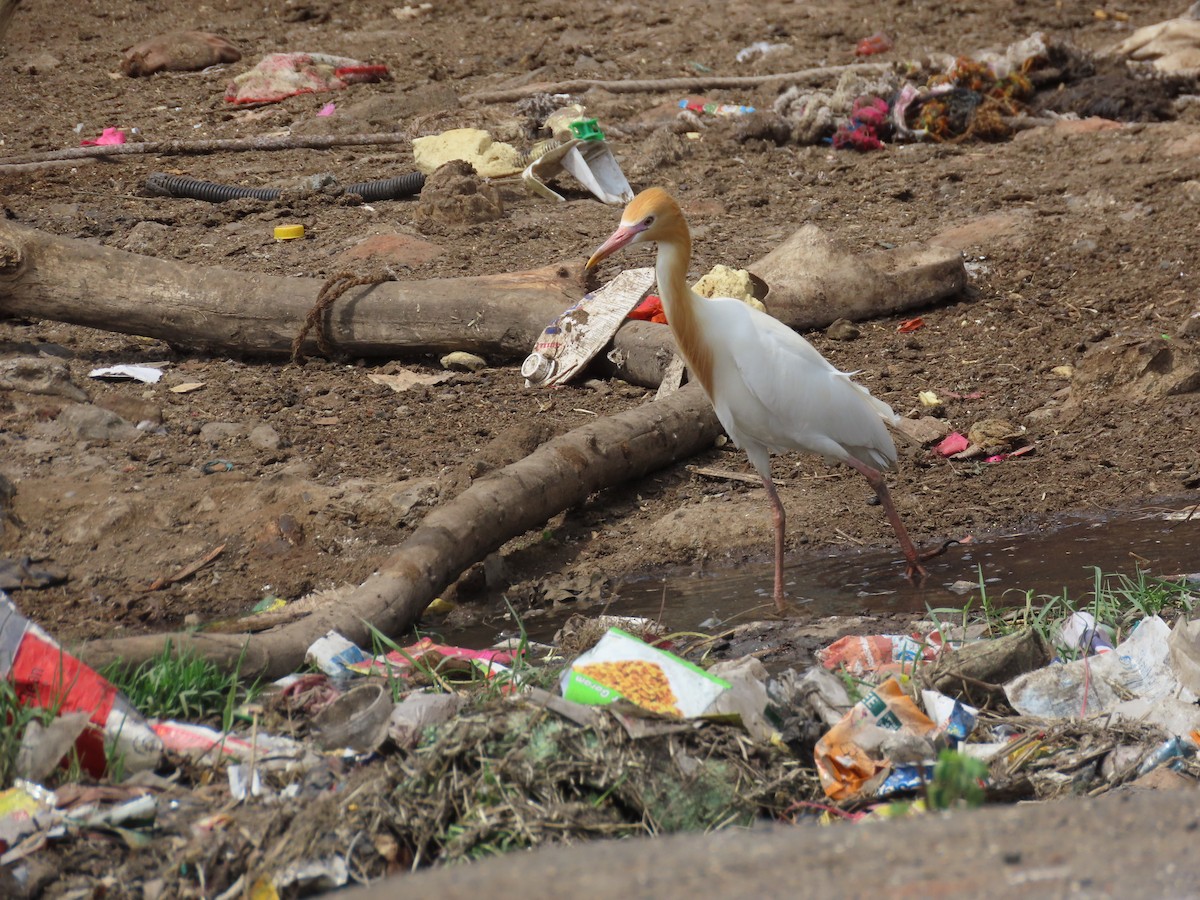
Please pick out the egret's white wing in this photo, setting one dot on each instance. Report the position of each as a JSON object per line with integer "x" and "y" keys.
{"x": 781, "y": 392}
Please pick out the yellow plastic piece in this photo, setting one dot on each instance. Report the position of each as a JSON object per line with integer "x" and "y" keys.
{"x": 288, "y": 232}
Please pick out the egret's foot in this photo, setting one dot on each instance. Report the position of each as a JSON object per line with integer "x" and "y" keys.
{"x": 785, "y": 609}
{"x": 939, "y": 550}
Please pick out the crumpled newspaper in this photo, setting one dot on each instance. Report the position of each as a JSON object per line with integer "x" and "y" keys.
{"x": 281, "y": 75}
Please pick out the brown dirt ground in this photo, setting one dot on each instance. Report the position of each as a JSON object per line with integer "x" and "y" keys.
{"x": 1097, "y": 256}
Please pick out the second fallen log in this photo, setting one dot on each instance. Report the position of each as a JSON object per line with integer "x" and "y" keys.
{"x": 224, "y": 311}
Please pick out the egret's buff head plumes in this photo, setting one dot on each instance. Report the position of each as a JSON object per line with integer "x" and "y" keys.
{"x": 653, "y": 215}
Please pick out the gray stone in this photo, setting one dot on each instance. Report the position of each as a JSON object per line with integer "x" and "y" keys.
{"x": 219, "y": 432}
{"x": 264, "y": 437}
{"x": 91, "y": 423}
{"x": 39, "y": 375}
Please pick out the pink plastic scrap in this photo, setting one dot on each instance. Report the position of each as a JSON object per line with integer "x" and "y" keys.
{"x": 107, "y": 136}
{"x": 426, "y": 654}
{"x": 282, "y": 75}
{"x": 954, "y": 443}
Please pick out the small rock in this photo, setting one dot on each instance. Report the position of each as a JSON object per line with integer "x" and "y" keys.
{"x": 463, "y": 362}
{"x": 178, "y": 51}
{"x": 37, "y": 64}
{"x": 1191, "y": 191}
{"x": 843, "y": 330}
{"x": 411, "y": 494}
{"x": 1063, "y": 371}
{"x": 1191, "y": 325}
{"x": 400, "y": 250}
{"x": 147, "y": 238}
{"x": 39, "y": 375}
{"x": 264, "y": 437}
{"x": 131, "y": 409}
{"x": 925, "y": 430}
{"x": 91, "y": 423}
{"x": 962, "y": 587}
{"x": 217, "y": 432}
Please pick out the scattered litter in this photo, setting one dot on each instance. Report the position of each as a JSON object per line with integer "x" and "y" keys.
{"x": 649, "y": 310}
{"x": 429, "y": 659}
{"x": 411, "y": 12}
{"x": 333, "y": 654}
{"x": 862, "y": 129}
{"x": 357, "y": 720}
{"x": 281, "y": 75}
{"x": 1140, "y": 667}
{"x": 46, "y": 676}
{"x": 201, "y": 743}
{"x": 746, "y": 702}
{"x": 975, "y": 671}
{"x": 878, "y": 42}
{"x": 406, "y": 378}
{"x": 578, "y": 147}
{"x": 107, "y": 136}
{"x": 622, "y": 667}
{"x": 327, "y": 110}
{"x": 591, "y": 162}
{"x": 187, "y": 387}
{"x": 882, "y": 730}
{"x": 418, "y": 711}
{"x": 144, "y": 374}
{"x": 910, "y": 325}
{"x": 1170, "y": 46}
{"x": 759, "y": 50}
{"x": 704, "y": 106}
{"x": 953, "y": 444}
{"x": 879, "y": 653}
{"x": 570, "y": 342}
{"x": 489, "y": 158}
{"x": 724, "y": 281}
{"x": 25, "y": 809}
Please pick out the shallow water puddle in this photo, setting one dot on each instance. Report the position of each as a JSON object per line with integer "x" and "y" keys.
{"x": 1058, "y": 557}
{"x": 1049, "y": 560}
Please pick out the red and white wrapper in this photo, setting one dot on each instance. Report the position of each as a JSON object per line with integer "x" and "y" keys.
{"x": 46, "y": 676}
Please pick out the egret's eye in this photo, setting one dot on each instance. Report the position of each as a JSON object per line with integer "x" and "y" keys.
{"x": 648, "y": 221}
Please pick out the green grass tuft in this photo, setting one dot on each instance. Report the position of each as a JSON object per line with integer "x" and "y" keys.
{"x": 180, "y": 685}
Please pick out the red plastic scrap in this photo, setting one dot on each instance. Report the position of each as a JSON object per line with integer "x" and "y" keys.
{"x": 649, "y": 310}
{"x": 953, "y": 443}
{"x": 910, "y": 325}
{"x": 1020, "y": 451}
{"x": 879, "y": 42}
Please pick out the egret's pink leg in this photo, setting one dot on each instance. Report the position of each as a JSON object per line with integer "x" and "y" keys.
{"x": 875, "y": 479}
{"x": 780, "y": 518}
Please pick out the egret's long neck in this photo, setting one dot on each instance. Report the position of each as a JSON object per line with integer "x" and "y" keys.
{"x": 682, "y": 306}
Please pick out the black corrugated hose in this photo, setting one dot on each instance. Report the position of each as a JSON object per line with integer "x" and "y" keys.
{"x": 181, "y": 186}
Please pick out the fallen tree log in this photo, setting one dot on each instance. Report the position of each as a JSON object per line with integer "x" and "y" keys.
{"x": 45, "y": 276}
{"x": 560, "y": 474}
{"x": 810, "y": 280}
